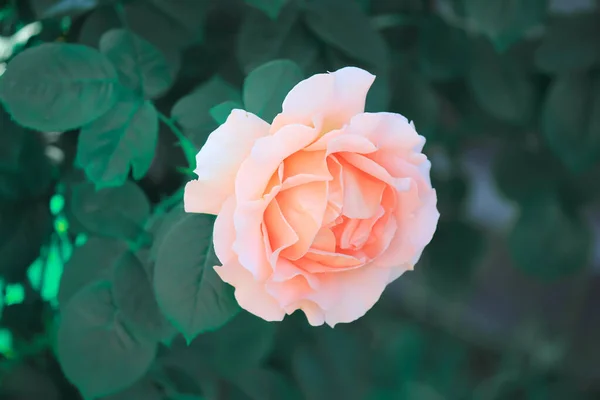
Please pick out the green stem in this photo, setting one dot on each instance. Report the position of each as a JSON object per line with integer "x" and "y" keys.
{"x": 188, "y": 148}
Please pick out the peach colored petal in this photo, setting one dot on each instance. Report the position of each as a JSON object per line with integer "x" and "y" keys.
{"x": 277, "y": 231}
{"x": 362, "y": 193}
{"x": 374, "y": 169}
{"x": 303, "y": 207}
{"x": 334, "y": 260}
{"x": 249, "y": 293}
{"x": 304, "y": 167}
{"x": 249, "y": 243}
{"x": 314, "y": 313}
{"x": 335, "y": 192}
{"x": 324, "y": 240}
{"x": 224, "y": 232}
{"x": 266, "y": 156}
{"x": 336, "y": 97}
{"x": 346, "y": 296}
{"x": 216, "y": 173}
{"x": 351, "y": 144}
{"x": 289, "y": 291}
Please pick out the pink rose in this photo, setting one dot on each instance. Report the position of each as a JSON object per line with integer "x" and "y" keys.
{"x": 320, "y": 210}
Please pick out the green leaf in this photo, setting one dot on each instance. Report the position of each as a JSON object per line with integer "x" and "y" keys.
{"x": 24, "y": 227}
{"x": 502, "y": 87}
{"x": 444, "y": 51}
{"x": 342, "y": 24}
{"x": 221, "y": 112}
{"x": 240, "y": 345}
{"x": 413, "y": 97}
{"x": 262, "y": 40}
{"x": 571, "y": 120}
{"x": 141, "y": 66}
{"x": 169, "y": 25}
{"x": 523, "y": 175}
{"x": 505, "y": 22}
{"x": 272, "y": 8}
{"x": 45, "y": 9}
{"x": 265, "y": 87}
{"x": 453, "y": 255}
{"x": 58, "y": 87}
{"x": 123, "y": 139}
{"x": 113, "y": 212}
{"x": 89, "y": 263}
{"x": 141, "y": 390}
{"x": 188, "y": 289}
{"x": 162, "y": 227}
{"x": 95, "y": 349}
{"x": 569, "y": 44}
{"x": 547, "y": 243}
{"x": 134, "y": 296}
{"x": 266, "y": 384}
{"x": 25, "y": 170}
{"x": 192, "y": 112}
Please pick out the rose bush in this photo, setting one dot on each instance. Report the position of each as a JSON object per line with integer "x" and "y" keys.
{"x": 319, "y": 210}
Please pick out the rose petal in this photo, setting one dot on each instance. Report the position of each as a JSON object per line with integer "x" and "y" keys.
{"x": 249, "y": 293}
{"x": 304, "y": 167}
{"x": 335, "y": 97}
{"x": 216, "y": 172}
{"x": 362, "y": 193}
{"x": 303, "y": 207}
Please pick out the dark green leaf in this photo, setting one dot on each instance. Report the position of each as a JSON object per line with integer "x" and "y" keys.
{"x": 25, "y": 170}
{"x": 44, "y": 9}
{"x": 344, "y": 25}
{"x": 272, "y": 8}
{"x": 188, "y": 289}
{"x": 265, "y": 87}
{"x": 262, "y": 40}
{"x": 141, "y": 66}
{"x": 134, "y": 297}
{"x": 414, "y": 98}
{"x": 571, "y": 120}
{"x": 523, "y": 175}
{"x": 502, "y": 87}
{"x": 192, "y": 112}
{"x": 113, "y": 212}
{"x": 95, "y": 349}
{"x": 94, "y": 261}
{"x": 569, "y": 44}
{"x": 123, "y": 139}
{"x": 162, "y": 227}
{"x": 142, "y": 390}
{"x": 170, "y": 25}
{"x": 444, "y": 50}
{"x": 58, "y": 87}
{"x": 266, "y": 384}
{"x": 221, "y": 111}
{"x": 547, "y": 243}
{"x": 240, "y": 345}
{"x": 505, "y": 21}
{"x": 24, "y": 228}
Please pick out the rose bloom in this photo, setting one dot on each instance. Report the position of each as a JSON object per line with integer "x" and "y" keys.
{"x": 321, "y": 209}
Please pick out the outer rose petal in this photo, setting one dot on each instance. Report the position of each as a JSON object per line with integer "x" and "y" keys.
{"x": 336, "y": 97}
{"x": 249, "y": 293}
{"x": 219, "y": 160}
{"x": 347, "y": 296}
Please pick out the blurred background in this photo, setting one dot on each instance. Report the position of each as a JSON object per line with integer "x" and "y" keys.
{"x": 504, "y": 303}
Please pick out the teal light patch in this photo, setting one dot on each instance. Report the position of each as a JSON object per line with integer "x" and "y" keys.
{"x": 15, "y": 294}
{"x": 80, "y": 239}
{"x": 57, "y": 204}
{"x": 34, "y": 273}
{"x": 61, "y": 224}
{"x": 54, "y": 270}
{"x": 6, "y": 342}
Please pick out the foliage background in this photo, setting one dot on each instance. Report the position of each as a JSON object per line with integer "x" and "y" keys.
{"x": 503, "y": 304}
